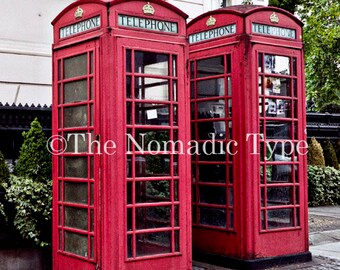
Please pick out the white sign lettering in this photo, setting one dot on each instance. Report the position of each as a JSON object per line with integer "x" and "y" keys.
{"x": 79, "y": 27}
{"x": 213, "y": 33}
{"x": 148, "y": 24}
{"x": 273, "y": 31}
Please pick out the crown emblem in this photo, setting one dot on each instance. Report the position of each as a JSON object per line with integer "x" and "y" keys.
{"x": 148, "y": 9}
{"x": 274, "y": 18}
{"x": 247, "y": 2}
{"x": 78, "y": 14}
{"x": 211, "y": 21}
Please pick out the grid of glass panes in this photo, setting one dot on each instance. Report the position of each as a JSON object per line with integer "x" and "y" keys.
{"x": 279, "y": 159}
{"x": 76, "y": 211}
{"x": 212, "y": 164}
{"x": 152, "y": 197}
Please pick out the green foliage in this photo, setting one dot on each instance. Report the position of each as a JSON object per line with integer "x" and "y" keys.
{"x": 337, "y": 149}
{"x": 33, "y": 206}
{"x": 322, "y": 49}
{"x": 330, "y": 108}
{"x": 330, "y": 155}
{"x": 315, "y": 155}
{"x": 323, "y": 186}
{"x": 34, "y": 159}
{"x": 289, "y": 5}
{"x": 4, "y": 171}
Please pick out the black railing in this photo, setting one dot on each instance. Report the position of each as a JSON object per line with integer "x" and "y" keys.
{"x": 323, "y": 126}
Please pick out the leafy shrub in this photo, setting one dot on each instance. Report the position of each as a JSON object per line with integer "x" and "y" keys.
{"x": 33, "y": 207}
{"x": 337, "y": 149}
{"x": 4, "y": 171}
{"x": 330, "y": 108}
{"x": 34, "y": 159}
{"x": 315, "y": 155}
{"x": 330, "y": 156}
{"x": 323, "y": 186}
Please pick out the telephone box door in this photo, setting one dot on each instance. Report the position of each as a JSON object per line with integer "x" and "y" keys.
{"x": 75, "y": 182}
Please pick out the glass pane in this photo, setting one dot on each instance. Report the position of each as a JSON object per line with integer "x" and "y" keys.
{"x": 77, "y": 142}
{"x": 280, "y": 173}
{"x": 128, "y": 113}
{"x": 60, "y": 191}
{"x": 260, "y": 62}
{"x": 230, "y": 89}
{"x": 129, "y": 246}
{"x": 129, "y": 219}
{"x": 278, "y": 108}
{"x": 152, "y": 165}
{"x": 176, "y": 215}
{"x": 212, "y": 173}
{"x": 91, "y": 63}
{"x": 210, "y": 67}
{"x": 277, "y": 64}
{"x": 92, "y": 89}
{"x": 76, "y": 243}
{"x": 277, "y": 86}
{"x": 128, "y": 60}
{"x": 91, "y": 220}
{"x": 280, "y": 218}
{"x": 75, "y": 116}
{"x": 153, "y": 217}
{"x": 212, "y": 195}
{"x": 210, "y": 151}
{"x": 128, "y": 87}
{"x": 76, "y": 192}
{"x": 59, "y": 70}
{"x": 279, "y": 196}
{"x": 128, "y": 167}
{"x": 147, "y": 139}
{"x": 75, "y": 91}
{"x": 60, "y": 94}
{"x": 153, "y": 243}
{"x": 152, "y": 191}
{"x": 294, "y": 67}
{"x": 211, "y": 130}
{"x": 174, "y": 66}
{"x": 152, "y": 114}
{"x": 231, "y": 219}
{"x": 231, "y": 197}
{"x": 212, "y": 216}
{"x": 75, "y": 167}
{"x": 210, "y": 88}
{"x": 174, "y": 90}
{"x": 151, "y": 89}
{"x": 176, "y": 190}
{"x": 92, "y": 247}
{"x": 211, "y": 109}
{"x": 129, "y": 192}
{"x": 92, "y": 194}
{"x": 278, "y": 130}
{"x": 192, "y": 70}
{"x": 75, "y": 66}
{"x": 76, "y": 218}
{"x": 228, "y": 63}
{"x": 231, "y": 175}
{"x": 176, "y": 241}
{"x": 151, "y": 63}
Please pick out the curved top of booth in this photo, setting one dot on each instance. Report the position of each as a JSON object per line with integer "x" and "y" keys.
{"x": 257, "y": 21}
{"x": 85, "y": 19}
{"x": 245, "y": 11}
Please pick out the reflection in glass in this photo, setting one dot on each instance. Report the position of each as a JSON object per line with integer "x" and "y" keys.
{"x": 152, "y": 191}
{"x": 75, "y": 167}
{"x": 128, "y": 87}
{"x": 75, "y": 116}
{"x": 152, "y": 114}
{"x": 153, "y": 243}
{"x": 278, "y": 130}
{"x": 75, "y": 91}
{"x": 277, "y": 64}
{"x": 76, "y": 218}
{"x": 280, "y": 218}
{"x": 210, "y": 67}
{"x": 212, "y": 173}
{"x": 212, "y": 195}
{"x": 211, "y": 109}
{"x": 210, "y": 88}
{"x": 128, "y": 60}
{"x": 75, "y": 66}
{"x": 153, "y": 217}
{"x": 152, "y": 165}
{"x": 212, "y": 216}
{"x": 76, "y": 243}
{"x": 151, "y": 63}
{"x": 151, "y": 89}
{"x": 277, "y": 196}
{"x": 281, "y": 173}
{"x": 76, "y": 192}
{"x": 211, "y": 130}
{"x": 150, "y": 140}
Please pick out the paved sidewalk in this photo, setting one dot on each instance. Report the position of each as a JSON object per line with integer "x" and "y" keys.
{"x": 324, "y": 239}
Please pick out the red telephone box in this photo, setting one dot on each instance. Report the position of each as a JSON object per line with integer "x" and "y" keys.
{"x": 248, "y": 115}
{"x": 121, "y": 196}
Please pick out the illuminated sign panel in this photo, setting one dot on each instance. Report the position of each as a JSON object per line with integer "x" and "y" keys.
{"x": 273, "y": 31}
{"x": 213, "y": 33}
{"x": 79, "y": 27}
